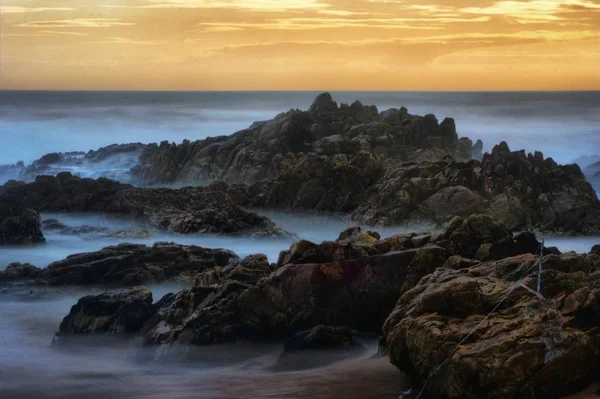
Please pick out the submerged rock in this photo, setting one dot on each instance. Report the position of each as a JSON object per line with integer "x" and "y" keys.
{"x": 19, "y": 271}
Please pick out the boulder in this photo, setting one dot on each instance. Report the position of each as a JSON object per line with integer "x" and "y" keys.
{"x": 19, "y": 271}
{"x": 19, "y": 226}
{"x": 532, "y": 348}
{"x": 122, "y": 313}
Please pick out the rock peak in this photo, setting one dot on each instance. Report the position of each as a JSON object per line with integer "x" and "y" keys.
{"x": 323, "y": 103}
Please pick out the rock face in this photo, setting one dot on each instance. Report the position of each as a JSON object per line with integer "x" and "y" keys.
{"x": 109, "y": 313}
{"x": 185, "y": 210}
{"x": 112, "y": 162}
{"x": 18, "y": 225}
{"x": 132, "y": 264}
{"x": 526, "y": 348}
{"x": 325, "y": 133}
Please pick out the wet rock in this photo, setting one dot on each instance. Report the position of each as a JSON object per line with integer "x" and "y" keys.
{"x": 131, "y": 264}
{"x": 120, "y": 313}
{"x": 19, "y": 271}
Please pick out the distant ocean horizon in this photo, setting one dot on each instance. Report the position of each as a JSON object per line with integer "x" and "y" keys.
{"x": 562, "y": 124}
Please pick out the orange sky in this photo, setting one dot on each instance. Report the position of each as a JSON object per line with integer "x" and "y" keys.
{"x": 300, "y": 44}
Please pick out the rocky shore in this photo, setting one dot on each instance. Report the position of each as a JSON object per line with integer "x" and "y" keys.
{"x": 455, "y": 309}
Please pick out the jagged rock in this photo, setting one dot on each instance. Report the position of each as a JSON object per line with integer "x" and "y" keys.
{"x": 519, "y": 190}
{"x": 120, "y": 313}
{"x": 351, "y": 244}
{"x": 475, "y": 231}
{"x": 531, "y": 348}
{"x": 450, "y": 202}
{"x": 595, "y": 249}
{"x": 185, "y": 210}
{"x": 131, "y": 264}
{"x": 270, "y": 148}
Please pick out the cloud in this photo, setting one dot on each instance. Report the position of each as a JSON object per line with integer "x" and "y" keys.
{"x": 125, "y": 40}
{"x": 253, "y": 5}
{"x": 22, "y": 10}
{"x": 533, "y": 11}
{"x": 77, "y": 23}
{"x": 309, "y": 23}
{"x": 54, "y": 32}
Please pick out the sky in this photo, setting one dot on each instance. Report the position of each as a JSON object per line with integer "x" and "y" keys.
{"x": 300, "y": 44}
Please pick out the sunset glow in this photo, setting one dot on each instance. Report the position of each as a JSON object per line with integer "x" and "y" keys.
{"x": 300, "y": 45}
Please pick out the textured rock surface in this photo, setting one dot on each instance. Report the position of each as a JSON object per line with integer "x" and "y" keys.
{"x": 330, "y": 134}
{"x": 527, "y": 348}
{"x": 124, "y": 312}
{"x": 132, "y": 264}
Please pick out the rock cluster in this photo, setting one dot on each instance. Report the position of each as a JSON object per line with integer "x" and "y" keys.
{"x": 425, "y": 292}
{"x": 325, "y": 133}
{"x": 19, "y": 225}
{"x": 185, "y": 210}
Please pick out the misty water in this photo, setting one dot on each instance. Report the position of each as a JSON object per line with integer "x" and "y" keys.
{"x": 564, "y": 126}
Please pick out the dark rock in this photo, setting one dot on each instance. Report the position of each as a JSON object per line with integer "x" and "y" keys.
{"x": 595, "y": 249}
{"x": 120, "y": 313}
{"x": 19, "y": 271}
{"x": 19, "y": 225}
{"x": 186, "y": 210}
{"x": 131, "y": 264}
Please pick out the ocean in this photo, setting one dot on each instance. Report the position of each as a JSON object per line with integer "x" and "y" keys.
{"x": 563, "y": 125}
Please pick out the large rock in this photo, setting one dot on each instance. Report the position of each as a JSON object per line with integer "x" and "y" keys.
{"x": 185, "y": 210}
{"x": 132, "y": 264}
{"x": 120, "y": 313}
{"x": 19, "y": 271}
{"x": 19, "y": 226}
{"x": 277, "y": 146}
{"x": 516, "y": 344}
{"x": 520, "y": 190}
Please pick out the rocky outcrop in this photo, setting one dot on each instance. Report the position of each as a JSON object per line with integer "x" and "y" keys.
{"x": 330, "y": 134}
{"x": 120, "y": 313}
{"x": 353, "y": 282}
{"x": 113, "y": 162}
{"x": 500, "y": 340}
{"x": 519, "y": 190}
{"x": 185, "y": 210}
{"x": 18, "y": 225}
{"x": 133, "y": 264}
{"x": 477, "y": 151}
